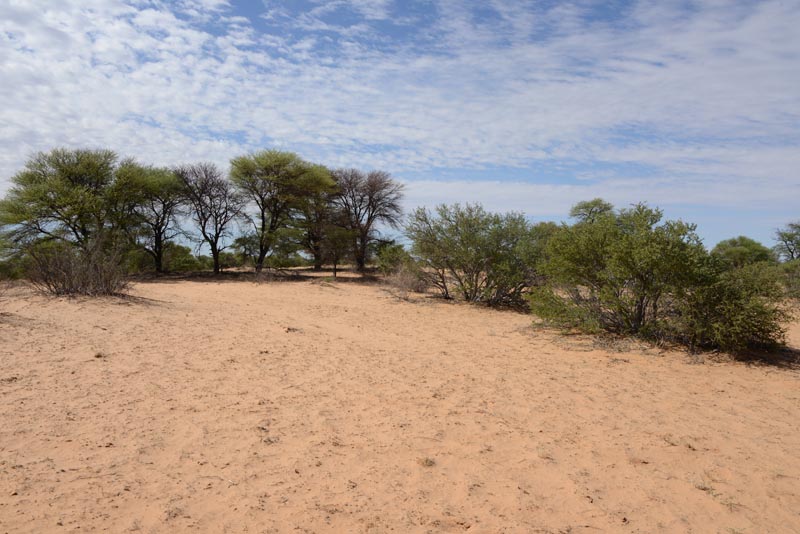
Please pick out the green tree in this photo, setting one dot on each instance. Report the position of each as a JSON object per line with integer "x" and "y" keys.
{"x": 630, "y": 272}
{"x": 278, "y": 185}
{"x": 64, "y": 195}
{"x": 337, "y": 245}
{"x": 740, "y": 251}
{"x": 611, "y": 272}
{"x": 589, "y": 210}
{"x": 156, "y": 196}
{"x": 317, "y": 215}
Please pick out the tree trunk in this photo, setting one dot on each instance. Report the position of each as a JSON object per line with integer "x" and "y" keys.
{"x": 215, "y": 256}
{"x": 262, "y": 254}
{"x": 361, "y": 256}
{"x": 159, "y": 261}
{"x": 158, "y": 254}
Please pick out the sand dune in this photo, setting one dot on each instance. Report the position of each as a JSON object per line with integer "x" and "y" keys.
{"x": 337, "y": 407}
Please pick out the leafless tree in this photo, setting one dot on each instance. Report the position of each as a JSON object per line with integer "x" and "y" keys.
{"x": 214, "y": 204}
{"x": 367, "y": 199}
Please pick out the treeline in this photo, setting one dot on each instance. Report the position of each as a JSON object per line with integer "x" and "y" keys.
{"x": 79, "y": 221}
{"x": 73, "y": 211}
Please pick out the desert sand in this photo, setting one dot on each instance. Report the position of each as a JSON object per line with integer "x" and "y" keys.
{"x": 311, "y": 406}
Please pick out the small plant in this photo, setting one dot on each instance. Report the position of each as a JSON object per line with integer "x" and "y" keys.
{"x": 64, "y": 269}
{"x": 392, "y": 257}
{"x": 407, "y": 279}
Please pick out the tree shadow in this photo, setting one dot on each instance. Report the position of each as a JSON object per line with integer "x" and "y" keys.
{"x": 369, "y": 277}
{"x": 783, "y": 358}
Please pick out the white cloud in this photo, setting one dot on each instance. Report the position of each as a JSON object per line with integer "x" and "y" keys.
{"x": 705, "y": 99}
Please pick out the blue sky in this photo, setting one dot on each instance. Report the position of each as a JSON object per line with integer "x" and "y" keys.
{"x": 526, "y": 106}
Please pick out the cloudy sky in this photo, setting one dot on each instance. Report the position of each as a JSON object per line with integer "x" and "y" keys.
{"x": 529, "y": 106}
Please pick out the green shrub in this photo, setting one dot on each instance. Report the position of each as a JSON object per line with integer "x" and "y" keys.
{"x": 631, "y": 273}
{"x": 612, "y": 271}
{"x": 289, "y": 260}
{"x": 205, "y": 262}
{"x": 179, "y": 259}
{"x": 734, "y": 310}
{"x": 479, "y": 256}
{"x": 230, "y": 260}
{"x": 741, "y": 251}
{"x": 392, "y": 257}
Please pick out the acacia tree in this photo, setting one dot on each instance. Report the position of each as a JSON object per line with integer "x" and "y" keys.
{"x": 214, "y": 204}
{"x": 740, "y": 251}
{"x": 788, "y": 247}
{"x": 316, "y": 224}
{"x": 337, "y": 245}
{"x": 66, "y": 215}
{"x": 590, "y": 210}
{"x": 367, "y": 199}
{"x": 278, "y": 184}
{"x": 156, "y": 196}
{"x": 62, "y": 195}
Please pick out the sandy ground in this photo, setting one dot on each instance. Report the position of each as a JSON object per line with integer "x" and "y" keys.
{"x": 319, "y": 407}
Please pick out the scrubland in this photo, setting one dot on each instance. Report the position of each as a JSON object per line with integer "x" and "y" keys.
{"x": 224, "y": 405}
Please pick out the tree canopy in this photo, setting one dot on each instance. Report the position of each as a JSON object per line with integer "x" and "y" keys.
{"x": 277, "y": 185}
{"x": 365, "y": 200}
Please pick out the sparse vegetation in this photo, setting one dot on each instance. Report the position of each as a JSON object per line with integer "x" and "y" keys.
{"x": 81, "y": 221}
{"x": 61, "y": 269}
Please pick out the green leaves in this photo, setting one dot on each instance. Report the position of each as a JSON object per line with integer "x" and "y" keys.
{"x": 280, "y": 185}
{"x": 741, "y": 251}
{"x": 483, "y": 257}
{"x": 629, "y": 272}
{"x": 62, "y": 194}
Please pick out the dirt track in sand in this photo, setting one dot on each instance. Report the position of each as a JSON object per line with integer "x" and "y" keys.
{"x": 317, "y": 407}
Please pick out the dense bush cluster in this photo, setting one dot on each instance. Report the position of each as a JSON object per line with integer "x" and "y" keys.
{"x": 630, "y": 272}
{"x": 626, "y": 271}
